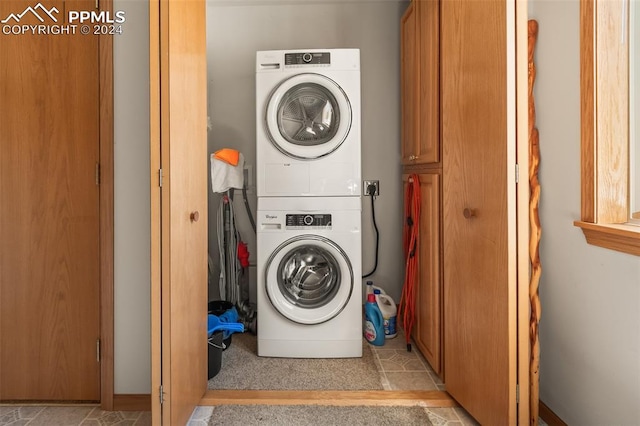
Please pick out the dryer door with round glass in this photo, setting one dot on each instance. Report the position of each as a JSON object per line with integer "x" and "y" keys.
{"x": 309, "y": 279}
{"x": 308, "y": 116}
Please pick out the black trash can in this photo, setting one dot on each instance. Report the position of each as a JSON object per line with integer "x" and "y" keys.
{"x": 219, "y": 307}
{"x": 215, "y": 353}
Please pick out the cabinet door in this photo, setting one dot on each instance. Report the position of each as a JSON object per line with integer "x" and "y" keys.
{"x": 428, "y": 327}
{"x": 179, "y": 82}
{"x": 409, "y": 82}
{"x": 421, "y": 83}
{"x": 479, "y": 210}
{"x": 427, "y": 145}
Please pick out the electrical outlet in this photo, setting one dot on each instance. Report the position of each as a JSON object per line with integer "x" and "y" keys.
{"x": 248, "y": 177}
{"x": 367, "y": 183}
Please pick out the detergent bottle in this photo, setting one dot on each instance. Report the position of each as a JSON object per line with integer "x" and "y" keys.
{"x": 374, "y": 323}
{"x": 371, "y": 288}
{"x": 389, "y": 313}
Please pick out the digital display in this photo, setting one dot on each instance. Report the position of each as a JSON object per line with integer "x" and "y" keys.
{"x": 308, "y": 221}
{"x": 307, "y": 58}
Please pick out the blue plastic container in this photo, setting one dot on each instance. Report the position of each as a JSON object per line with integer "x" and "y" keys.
{"x": 374, "y": 322}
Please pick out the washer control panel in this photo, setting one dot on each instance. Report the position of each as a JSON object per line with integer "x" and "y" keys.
{"x": 307, "y": 58}
{"x": 308, "y": 221}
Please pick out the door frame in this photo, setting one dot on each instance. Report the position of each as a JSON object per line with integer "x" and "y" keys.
{"x": 520, "y": 268}
{"x": 105, "y": 43}
{"x": 526, "y": 385}
{"x": 155, "y": 131}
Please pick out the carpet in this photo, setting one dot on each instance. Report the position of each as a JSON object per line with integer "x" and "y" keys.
{"x": 243, "y": 369}
{"x": 301, "y": 415}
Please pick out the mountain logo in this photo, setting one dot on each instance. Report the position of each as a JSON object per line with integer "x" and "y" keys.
{"x": 34, "y": 11}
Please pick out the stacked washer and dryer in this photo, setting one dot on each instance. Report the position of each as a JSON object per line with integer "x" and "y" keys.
{"x": 309, "y": 250}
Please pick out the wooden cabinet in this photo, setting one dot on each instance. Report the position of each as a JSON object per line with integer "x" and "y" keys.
{"x": 462, "y": 134}
{"x": 420, "y": 91}
{"x": 427, "y": 333}
{"x": 479, "y": 207}
{"x": 408, "y": 82}
{"x": 420, "y": 85}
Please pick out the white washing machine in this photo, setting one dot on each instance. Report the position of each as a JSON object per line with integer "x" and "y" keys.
{"x": 309, "y": 277}
{"x": 308, "y": 123}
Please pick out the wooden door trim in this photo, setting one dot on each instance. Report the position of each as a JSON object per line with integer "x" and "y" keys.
{"x": 131, "y": 402}
{"x": 550, "y": 418}
{"x": 156, "y": 260}
{"x": 378, "y": 398}
{"x": 527, "y": 386}
{"x": 106, "y": 218}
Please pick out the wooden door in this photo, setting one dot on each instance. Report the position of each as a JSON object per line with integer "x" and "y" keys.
{"x": 49, "y": 210}
{"x": 428, "y": 331}
{"x": 179, "y": 126}
{"x": 409, "y": 81}
{"x": 479, "y": 207}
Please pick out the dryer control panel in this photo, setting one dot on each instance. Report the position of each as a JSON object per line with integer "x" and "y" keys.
{"x": 308, "y": 221}
{"x": 307, "y": 58}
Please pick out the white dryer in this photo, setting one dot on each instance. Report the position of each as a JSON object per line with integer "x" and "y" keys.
{"x": 308, "y": 123}
{"x": 309, "y": 277}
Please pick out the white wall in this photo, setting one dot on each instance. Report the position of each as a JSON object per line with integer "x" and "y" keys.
{"x": 590, "y": 324}
{"x": 236, "y": 30}
{"x": 132, "y": 259}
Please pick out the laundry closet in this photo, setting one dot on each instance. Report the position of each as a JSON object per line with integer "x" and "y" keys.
{"x": 375, "y": 28}
{"x": 370, "y": 26}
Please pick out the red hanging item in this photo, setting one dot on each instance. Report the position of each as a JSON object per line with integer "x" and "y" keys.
{"x": 243, "y": 254}
{"x": 411, "y": 230}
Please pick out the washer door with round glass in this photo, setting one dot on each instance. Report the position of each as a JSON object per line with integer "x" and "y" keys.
{"x": 309, "y": 279}
{"x": 308, "y": 116}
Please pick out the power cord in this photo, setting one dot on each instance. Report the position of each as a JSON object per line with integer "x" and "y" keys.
{"x": 371, "y": 190}
{"x": 248, "y": 208}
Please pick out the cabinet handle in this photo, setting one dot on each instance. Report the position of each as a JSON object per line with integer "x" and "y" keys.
{"x": 413, "y": 157}
{"x": 469, "y": 213}
{"x": 194, "y": 216}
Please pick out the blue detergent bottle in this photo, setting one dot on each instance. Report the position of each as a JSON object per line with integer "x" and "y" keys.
{"x": 374, "y": 322}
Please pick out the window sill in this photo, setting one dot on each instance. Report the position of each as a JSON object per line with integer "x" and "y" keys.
{"x": 623, "y": 238}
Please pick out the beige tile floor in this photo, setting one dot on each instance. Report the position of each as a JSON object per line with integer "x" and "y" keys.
{"x": 398, "y": 369}
{"x": 70, "y": 415}
{"x": 403, "y": 370}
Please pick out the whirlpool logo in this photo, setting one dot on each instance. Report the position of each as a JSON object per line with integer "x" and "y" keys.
{"x": 270, "y": 216}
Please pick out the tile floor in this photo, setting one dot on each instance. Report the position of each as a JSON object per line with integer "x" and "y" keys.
{"x": 402, "y": 370}
{"x": 399, "y": 370}
{"x": 70, "y": 415}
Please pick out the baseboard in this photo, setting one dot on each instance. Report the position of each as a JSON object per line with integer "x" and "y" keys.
{"x": 549, "y": 416}
{"x": 132, "y": 402}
